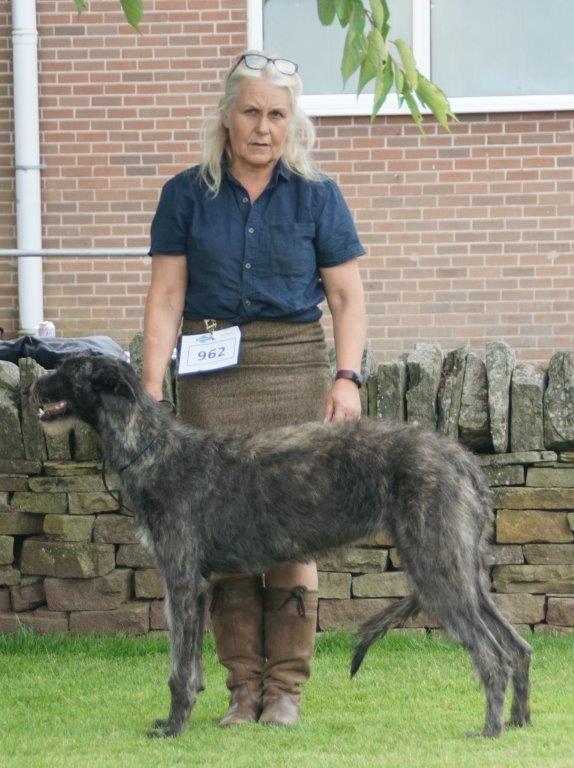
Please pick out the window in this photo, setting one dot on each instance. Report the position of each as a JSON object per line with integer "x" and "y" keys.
{"x": 488, "y": 55}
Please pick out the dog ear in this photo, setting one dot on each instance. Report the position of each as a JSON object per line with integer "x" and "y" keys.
{"x": 110, "y": 379}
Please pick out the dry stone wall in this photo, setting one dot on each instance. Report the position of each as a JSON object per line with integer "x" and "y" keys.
{"x": 70, "y": 559}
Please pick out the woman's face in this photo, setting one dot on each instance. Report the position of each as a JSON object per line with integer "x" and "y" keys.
{"x": 257, "y": 123}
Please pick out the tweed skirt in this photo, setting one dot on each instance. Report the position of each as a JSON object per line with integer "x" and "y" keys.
{"x": 282, "y": 379}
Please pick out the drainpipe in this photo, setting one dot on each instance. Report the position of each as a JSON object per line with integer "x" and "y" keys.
{"x": 27, "y": 150}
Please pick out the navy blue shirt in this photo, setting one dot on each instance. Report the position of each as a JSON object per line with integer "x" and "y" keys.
{"x": 257, "y": 261}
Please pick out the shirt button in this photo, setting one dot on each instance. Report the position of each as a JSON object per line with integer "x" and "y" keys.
{"x": 251, "y": 230}
{"x": 247, "y": 302}
{"x": 247, "y": 265}
{"x": 245, "y": 199}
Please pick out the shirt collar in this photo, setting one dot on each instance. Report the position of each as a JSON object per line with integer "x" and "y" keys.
{"x": 280, "y": 169}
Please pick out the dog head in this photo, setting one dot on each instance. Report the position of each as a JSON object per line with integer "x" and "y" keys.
{"x": 76, "y": 390}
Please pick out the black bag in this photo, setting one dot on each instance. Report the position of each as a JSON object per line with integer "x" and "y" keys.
{"x": 49, "y": 351}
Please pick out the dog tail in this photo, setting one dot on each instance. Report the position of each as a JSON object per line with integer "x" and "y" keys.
{"x": 379, "y": 624}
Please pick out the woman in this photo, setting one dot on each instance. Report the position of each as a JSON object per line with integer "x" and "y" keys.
{"x": 255, "y": 237}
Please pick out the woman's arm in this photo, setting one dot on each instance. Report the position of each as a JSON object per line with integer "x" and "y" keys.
{"x": 163, "y": 312}
{"x": 344, "y": 291}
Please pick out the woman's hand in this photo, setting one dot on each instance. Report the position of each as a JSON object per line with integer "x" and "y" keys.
{"x": 343, "y": 402}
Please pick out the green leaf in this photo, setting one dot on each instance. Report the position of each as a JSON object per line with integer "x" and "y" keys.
{"x": 374, "y": 58}
{"x": 383, "y": 85}
{"x": 326, "y": 9}
{"x": 353, "y": 53}
{"x": 357, "y": 21}
{"x": 133, "y": 11}
{"x": 343, "y": 10}
{"x": 386, "y": 26}
{"x": 408, "y": 60}
{"x": 399, "y": 82}
{"x": 378, "y": 13}
{"x": 412, "y": 105}
{"x": 434, "y": 98}
{"x": 80, "y": 5}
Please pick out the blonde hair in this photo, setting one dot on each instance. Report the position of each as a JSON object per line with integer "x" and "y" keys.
{"x": 300, "y": 133}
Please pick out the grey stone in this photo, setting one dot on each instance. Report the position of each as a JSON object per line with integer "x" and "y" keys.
{"x": 559, "y": 402}
{"x": 72, "y": 468}
{"x": 348, "y": 614}
{"x": 550, "y": 477}
{"x": 104, "y": 593}
{"x": 86, "y": 443}
{"x": 519, "y": 457}
{"x": 75, "y": 484}
{"x": 18, "y": 523}
{"x": 39, "y": 621}
{"x": 20, "y": 467}
{"x": 504, "y": 554}
{"x": 90, "y": 503}
{"x": 534, "y": 579}
{"x": 353, "y": 559}
{"x": 473, "y": 422}
{"x": 526, "y": 413}
{"x": 561, "y": 611}
{"x": 390, "y": 584}
{"x": 132, "y": 619}
{"x": 68, "y": 527}
{"x": 549, "y": 554}
{"x": 533, "y": 498}
{"x": 5, "y": 599}
{"x": 135, "y": 556}
{"x": 157, "y": 619}
{"x": 26, "y": 596}
{"x": 13, "y": 483}
{"x": 115, "y": 529}
{"x": 500, "y": 360}
{"x": 9, "y": 377}
{"x": 450, "y": 391}
{"x": 368, "y": 393}
{"x": 11, "y": 443}
{"x": 334, "y": 585}
{"x": 519, "y": 526}
{"x": 424, "y": 366}
{"x": 66, "y": 559}
{"x": 571, "y": 520}
{"x": 149, "y": 583}
{"x": 9, "y": 575}
{"x": 6, "y": 550}
{"x": 34, "y": 442}
{"x": 520, "y": 608}
{"x": 40, "y": 503}
{"x": 510, "y": 474}
{"x": 391, "y": 390}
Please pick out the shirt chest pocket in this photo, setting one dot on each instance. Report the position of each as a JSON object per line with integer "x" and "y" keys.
{"x": 292, "y": 249}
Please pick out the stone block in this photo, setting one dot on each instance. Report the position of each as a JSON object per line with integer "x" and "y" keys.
{"x": 73, "y": 484}
{"x": 5, "y": 599}
{"x": 531, "y": 525}
{"x": 549, "y": 554}
{"x": 391, "y": 390}
{"x": 518, "y": 457}
{"x": 473, "y": 421}
{"x": 68, "y": 527}
{"x": 66, "y": 559}
{"x": 504, "y": 554}
{"x": 157, "y": 619}
{"x": 28, "y": 594}
{"x": 91, "y": 503}
{"x": 115, "y": 529}
{"x": 32, "y": 432}
{"x": 9, "y": 377}
{"x": 500, "y": 361}
{"x": 85, "y": 443}
{"x": 58, "y": 446}
{"x": 100, "y": 594}
{"x": 379, "y": 539}
{"x": 349, "y": 614}
{"x": 134, "y": 556}
{"x": 561, "y": 611}
{"x": 559, "y": 402}
{"x": 389, "y": 584}
{"x": 511, "y": 474}
{"x": 40, "y": 503}
{"x": 11, "y": 442}
{"x": 72, "y": 468}
{"x": 131, "y": 619}
{"x": 334, "y": 585}
{"x": 533, "y": 498}
{"x": 571, "y": 520}
{"x": 40, "y": 621}
{"x": 149, "y": 583}
{"x": 550, "y": 477}
{"x": 534, "y": 579}
{"x": 551, "y": 629}
{"x": 18, "y": 523}
{"x": 6, "y": 550}
{"x": 520, "y": 608}
{"x": 9, "y": 576}
{"x": 526, "y": 413}
{"x": 354, "y": 559}
{"x": 449, "y": 399}
{"x": 20, "y": 467}
{"x": 394, "y": 558}
{"x": 424, "y": 367}
{"x": 10, "y": 483}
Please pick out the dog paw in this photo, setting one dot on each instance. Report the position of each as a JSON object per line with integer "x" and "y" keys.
{"x": 518, "y": 722}
{"x": 163, "y": 729}
{"x": 482, "y": 734}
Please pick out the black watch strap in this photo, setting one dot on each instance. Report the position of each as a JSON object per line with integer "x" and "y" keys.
{"x": 351, "y": 375}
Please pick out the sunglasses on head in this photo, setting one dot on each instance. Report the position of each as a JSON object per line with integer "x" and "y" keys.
{"x": 259, "y": 61}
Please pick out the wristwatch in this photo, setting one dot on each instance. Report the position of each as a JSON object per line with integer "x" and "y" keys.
{"x": 351, "y": 375}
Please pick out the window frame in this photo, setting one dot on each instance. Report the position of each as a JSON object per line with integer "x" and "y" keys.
{"x": 318, "y": 105}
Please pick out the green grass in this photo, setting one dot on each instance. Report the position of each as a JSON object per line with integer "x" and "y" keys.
{"x": 88, "y": 702}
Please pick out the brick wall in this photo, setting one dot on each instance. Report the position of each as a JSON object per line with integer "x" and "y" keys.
{"x": 468, "y": 235}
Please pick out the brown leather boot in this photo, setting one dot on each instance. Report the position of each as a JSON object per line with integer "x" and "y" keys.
{"x": 290, "y": 625}
{"x": 237, "y": 619}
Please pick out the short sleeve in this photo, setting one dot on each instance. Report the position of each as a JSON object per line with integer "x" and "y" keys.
{"x": 170, "y": 225}
{"x": 336, "y": 237}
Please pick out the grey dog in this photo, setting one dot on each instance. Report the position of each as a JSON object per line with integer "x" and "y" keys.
{"x": 243, "y": 501}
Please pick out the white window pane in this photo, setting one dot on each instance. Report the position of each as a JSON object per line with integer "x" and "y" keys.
{"x": 292, "y": 28}
{"x": 502, "y": 47}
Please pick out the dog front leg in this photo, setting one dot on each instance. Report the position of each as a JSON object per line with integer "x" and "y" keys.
{"x": 185, "y": 603}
